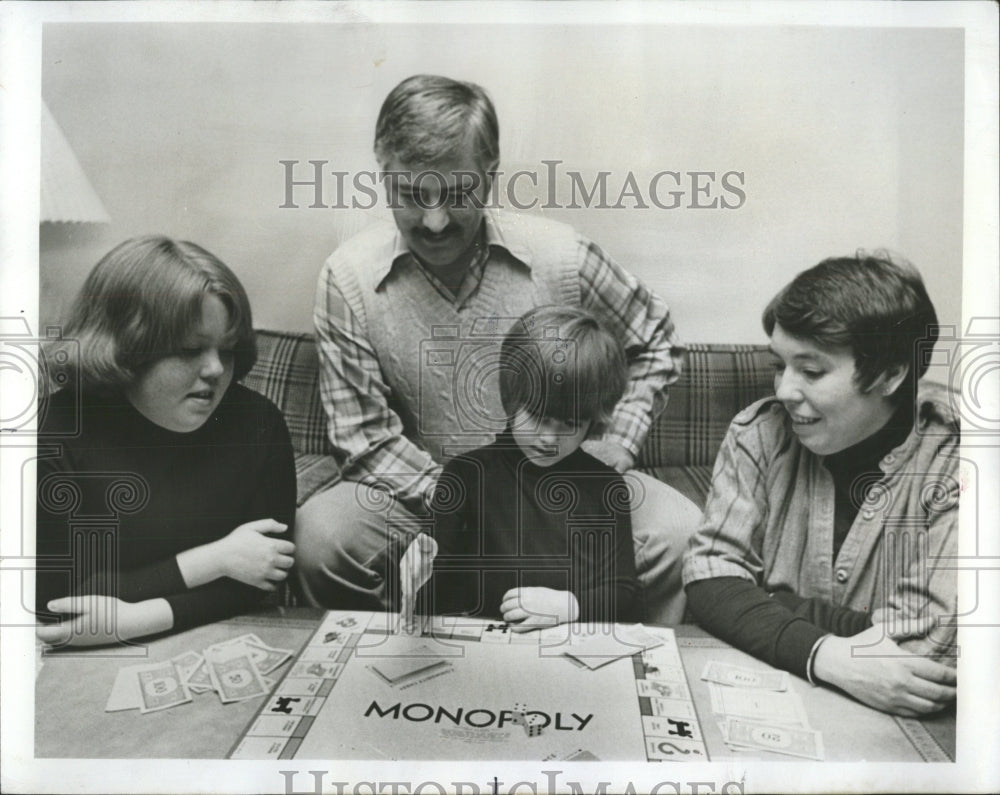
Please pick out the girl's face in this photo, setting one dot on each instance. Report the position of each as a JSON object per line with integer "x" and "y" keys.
{"x": 180, "y": 391}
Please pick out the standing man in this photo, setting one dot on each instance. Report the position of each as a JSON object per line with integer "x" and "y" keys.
{"x": 409, "y": 320}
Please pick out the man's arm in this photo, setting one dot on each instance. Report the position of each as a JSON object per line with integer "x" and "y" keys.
{"x": 367, "y": 435}
{"x": 641, "y": 320}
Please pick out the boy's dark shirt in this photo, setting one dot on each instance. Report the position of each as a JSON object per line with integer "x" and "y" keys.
{"x": 502, "y": 522}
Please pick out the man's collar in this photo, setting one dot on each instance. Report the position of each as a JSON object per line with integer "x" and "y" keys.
{"x": 494, "y": 238}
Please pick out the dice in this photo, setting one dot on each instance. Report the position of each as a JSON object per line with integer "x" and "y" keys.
{"x": 520, "y": 713}
{"x": 533, "y": 725}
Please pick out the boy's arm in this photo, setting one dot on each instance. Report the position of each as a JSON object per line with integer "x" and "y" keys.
{"x": 607, "y": 565}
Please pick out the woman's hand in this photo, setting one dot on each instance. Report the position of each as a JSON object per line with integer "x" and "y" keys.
{"x": 876, "y": 671}
{"x": 94, "y": 620}
{"x": 534, "y": 608}
{"x": 249, "y": 555}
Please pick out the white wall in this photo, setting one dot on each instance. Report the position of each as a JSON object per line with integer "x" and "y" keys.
{"x": 847, "y": 138}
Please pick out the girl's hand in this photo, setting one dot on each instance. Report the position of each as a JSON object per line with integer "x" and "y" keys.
{"x": 94, "y": 620}
{"x": 876, "y": 671}
{"x": 249, "y": 555}
{"x": 534, "y": 608}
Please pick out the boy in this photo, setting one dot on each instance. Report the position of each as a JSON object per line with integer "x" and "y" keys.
{"x": 833, "y": 502}
{"x": 531, "y": 528}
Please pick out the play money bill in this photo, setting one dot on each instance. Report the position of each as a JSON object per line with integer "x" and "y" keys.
{"x": 791, "y": 740}
{"x": 160, "y": 687}
{"x": 736, "y": 676}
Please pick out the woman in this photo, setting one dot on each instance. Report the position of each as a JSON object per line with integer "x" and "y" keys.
{"x": 832, "y": 502}
{"x": 172, "y": 489}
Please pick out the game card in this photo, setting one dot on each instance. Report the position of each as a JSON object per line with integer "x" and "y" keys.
{"x": 598, "y": 650}
{"x": 125, "y": 691}
{"x": 416, "y": 661}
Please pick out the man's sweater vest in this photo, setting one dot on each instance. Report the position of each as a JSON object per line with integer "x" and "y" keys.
{"x": 440, "y": 361}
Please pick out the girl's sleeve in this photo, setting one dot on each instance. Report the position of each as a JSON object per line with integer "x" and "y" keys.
{"x": 273, "y": 498}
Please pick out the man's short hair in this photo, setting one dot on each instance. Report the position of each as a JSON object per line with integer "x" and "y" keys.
{"x": 871, "y": 304}
{"x": 137, "y": 306}
{"x": 560, "y": 362}
{"x": 428, "y": 118}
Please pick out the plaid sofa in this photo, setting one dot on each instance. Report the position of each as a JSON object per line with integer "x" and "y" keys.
{"x": 717, "y": 382}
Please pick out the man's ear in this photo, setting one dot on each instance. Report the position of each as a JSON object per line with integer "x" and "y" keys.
{"x": 892, "y": 379}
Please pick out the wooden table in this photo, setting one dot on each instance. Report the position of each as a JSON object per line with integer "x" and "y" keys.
{"x": 73, "y": 687}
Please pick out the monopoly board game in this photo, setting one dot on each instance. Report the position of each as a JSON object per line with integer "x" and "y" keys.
{"x": 465, "y": 688}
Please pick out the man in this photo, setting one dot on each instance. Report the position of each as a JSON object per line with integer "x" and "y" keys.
{"x": 409, "y": 322}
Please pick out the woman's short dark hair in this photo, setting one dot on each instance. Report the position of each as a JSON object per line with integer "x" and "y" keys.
{"x": 428, "y": 118}
{"x": 560, "y": 362}
{"x": 139, "y": 303}
{"x": 877, "y": 307}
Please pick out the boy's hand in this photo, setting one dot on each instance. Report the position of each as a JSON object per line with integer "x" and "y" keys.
{"x": 249, "y": 555}
{"x": 611, "y": 453}
{"x": 533, "y": 608}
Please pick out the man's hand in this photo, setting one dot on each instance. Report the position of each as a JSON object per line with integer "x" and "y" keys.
{"x": 611, "y": 453}
{"x": 534, "y": 608}
{"x": 247, "y": 554}
{"x": 877, "y": 672}
{"x": 94, "y": 620}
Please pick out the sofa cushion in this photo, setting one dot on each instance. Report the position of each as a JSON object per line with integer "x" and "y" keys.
{"x": 314, "y": 473}
{"x": 692, "y": 482}
{"x": 287, "y": 371}
{"x": 717, "y": 382}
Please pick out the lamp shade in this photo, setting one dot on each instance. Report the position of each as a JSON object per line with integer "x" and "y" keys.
{"x": 67, "y": 195}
